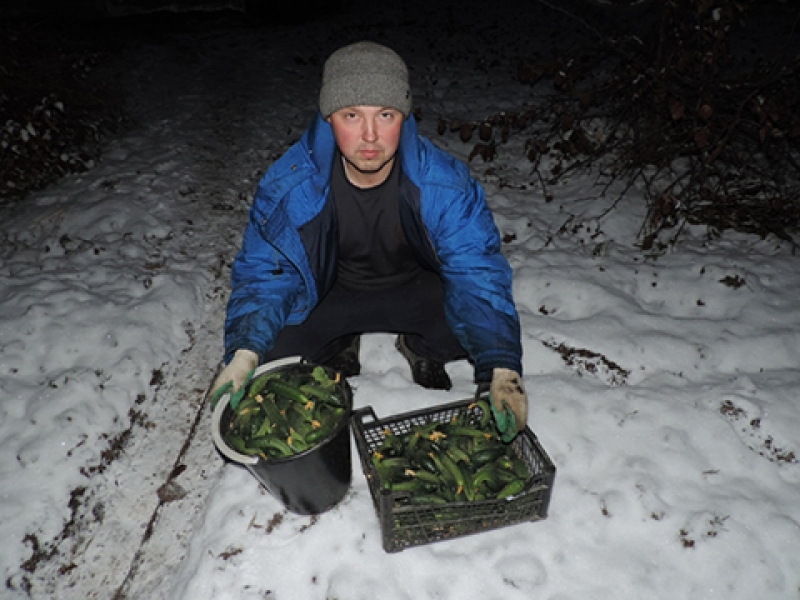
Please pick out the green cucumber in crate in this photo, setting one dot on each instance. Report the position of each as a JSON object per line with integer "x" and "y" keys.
{"x": 284, "y": 413}
{"x": 462, "y": 460}
{"x": 443, "y": 472}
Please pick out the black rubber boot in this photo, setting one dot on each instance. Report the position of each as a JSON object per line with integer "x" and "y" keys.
{"x": 345, "y": 361}
{"x": 426, "y": 372}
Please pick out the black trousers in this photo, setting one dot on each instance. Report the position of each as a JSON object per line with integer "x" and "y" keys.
{"x": 415, "y": 309}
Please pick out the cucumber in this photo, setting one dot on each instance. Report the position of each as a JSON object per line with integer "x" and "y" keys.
{"x": 266, "y": 427}
{"x": 411, "y": 442}
{"x": 446, "y": 473}
{"x": 281, "y": 389}
{"x": 458, "y": 476}
{"x": 485, "y": 475}
{"x": 458, "y": 455}
{"x": 486, "y": 414}
{"x": 237, "y": 444}
{"x": 504, "y": 462}
{"x": 299, "y": 420}
{"x": 242, "y": 422}
{"x": 427, "y": 487}
{"x": 520, "y": 468}
{"x": 269, "y": 442}
{"x": 329, "y": 397}
{"x": 327, "y": 415}
{"x": 428, "y": 499}
{"x": 462, "y": 419}
{"x": 396, "y": 462}
{"x": 322, "y": 379}
{"x": 486, "y": 456}
{"x": 426, "y": 429}
{"x": 390, "y": 469}
{"x": 296, "y": 442}
{"x": 317, "y": 435}
{"x": 410, "y": 485}
{"x": 391, "y": 446}
{"x": 512, "y": 488}
{"x": 427, "y": 463}
{"x": 258, "y": 385}
{"x": 274, "y": 416}
{"x": 247, "y": 405}
{"x": 506, "y": 476}
{"x": 476, "y": 433}
{"x": 426, "y": 476}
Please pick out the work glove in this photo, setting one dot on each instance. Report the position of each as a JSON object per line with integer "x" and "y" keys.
{"x": 234, "y": 377}
{"x": 509, "y": 403}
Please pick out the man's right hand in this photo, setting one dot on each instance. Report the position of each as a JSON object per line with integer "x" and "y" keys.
{"x": 235, "y": 375}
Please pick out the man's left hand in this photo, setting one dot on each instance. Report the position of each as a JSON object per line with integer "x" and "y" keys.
{"x": 509, "y": 402}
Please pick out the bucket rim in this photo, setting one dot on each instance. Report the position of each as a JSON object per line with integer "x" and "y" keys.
{"x": 251, "y": 461}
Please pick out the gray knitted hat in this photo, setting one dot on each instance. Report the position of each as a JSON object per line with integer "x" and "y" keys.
{"x": 364, "y": 74}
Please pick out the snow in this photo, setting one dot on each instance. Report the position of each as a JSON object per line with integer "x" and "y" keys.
{"x": 663, "y": 386}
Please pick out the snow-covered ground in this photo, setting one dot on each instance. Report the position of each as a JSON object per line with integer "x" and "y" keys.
{"x": 664, "y": 387}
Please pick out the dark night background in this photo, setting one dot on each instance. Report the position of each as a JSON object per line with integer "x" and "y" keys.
{"x": 713, "y": 82}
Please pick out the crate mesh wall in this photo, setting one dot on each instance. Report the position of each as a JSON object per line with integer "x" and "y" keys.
{"x": 404, "y": 525}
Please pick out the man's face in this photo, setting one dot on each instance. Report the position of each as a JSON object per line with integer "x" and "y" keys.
{"x": 367, "y": 137}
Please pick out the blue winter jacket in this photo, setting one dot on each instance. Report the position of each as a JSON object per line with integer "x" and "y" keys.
{"x": 288, "y": 257}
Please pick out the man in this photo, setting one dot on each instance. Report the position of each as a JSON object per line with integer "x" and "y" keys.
{"x": 364, "y": 226}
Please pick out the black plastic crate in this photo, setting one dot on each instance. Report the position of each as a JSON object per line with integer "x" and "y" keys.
{"x": 404, "y": 525}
